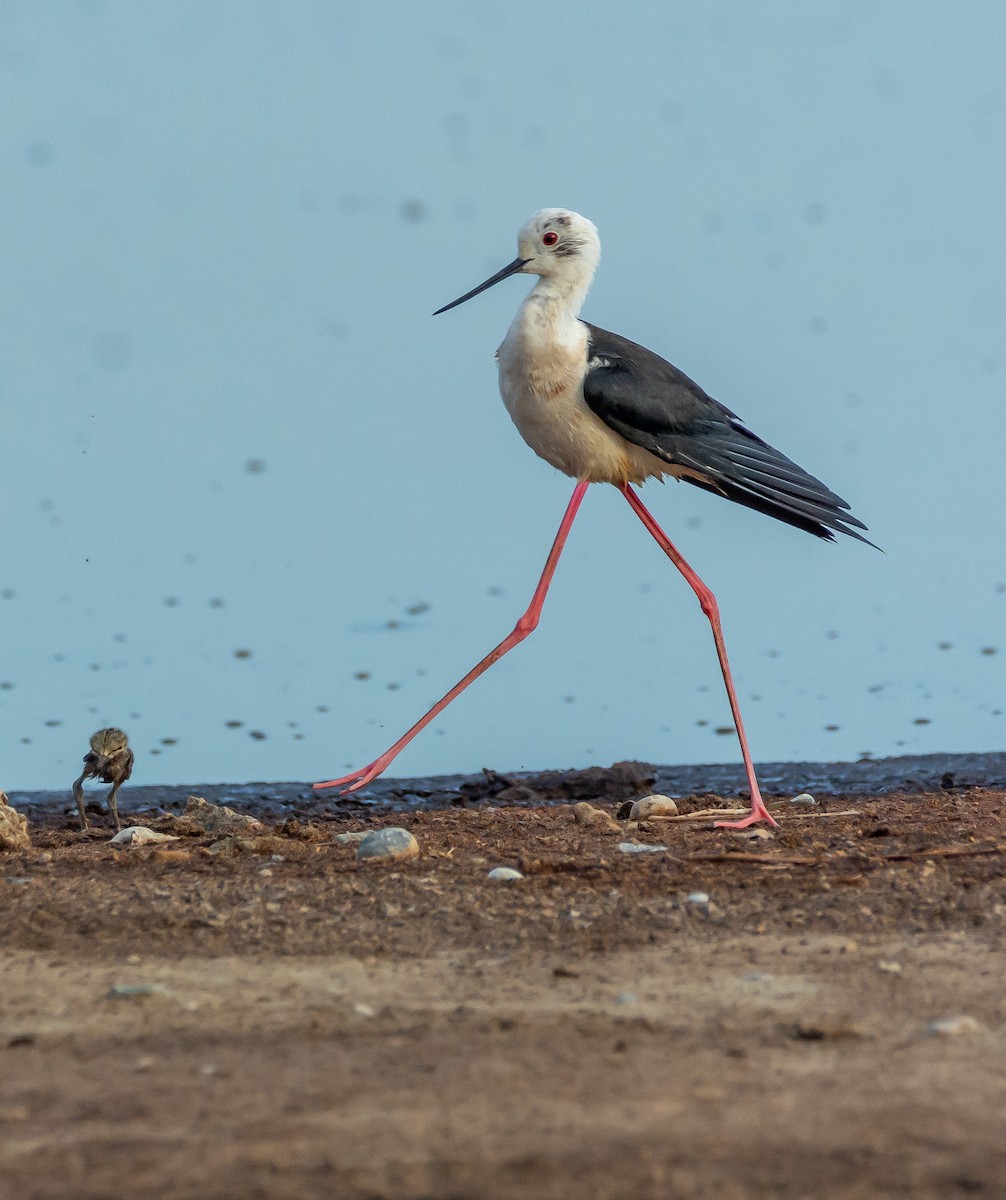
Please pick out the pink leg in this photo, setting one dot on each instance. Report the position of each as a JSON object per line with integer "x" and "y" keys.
{"x": 709, "y": 606}
{"x": 362, "y": 776}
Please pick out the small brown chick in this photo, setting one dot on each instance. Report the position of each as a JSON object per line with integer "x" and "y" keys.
{"x": 110, "y": 760}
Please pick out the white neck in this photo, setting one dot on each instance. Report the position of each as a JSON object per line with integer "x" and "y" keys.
{"x": 559, "y": 298}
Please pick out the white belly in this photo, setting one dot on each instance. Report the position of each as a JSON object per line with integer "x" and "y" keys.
{"x": 541, "y": 385}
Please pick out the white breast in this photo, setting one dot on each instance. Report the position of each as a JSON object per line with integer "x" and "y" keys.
{"x": 542, "y": 363}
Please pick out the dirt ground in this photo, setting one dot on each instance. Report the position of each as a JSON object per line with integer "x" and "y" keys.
{"x": 293, "y": 1023}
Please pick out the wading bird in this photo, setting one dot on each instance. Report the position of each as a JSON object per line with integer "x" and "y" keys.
{"x": 604, "y": 410}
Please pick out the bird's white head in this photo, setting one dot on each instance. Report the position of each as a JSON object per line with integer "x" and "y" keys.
{"x": 557, "y": 244}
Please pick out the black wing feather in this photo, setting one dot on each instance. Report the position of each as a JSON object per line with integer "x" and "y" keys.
{"x": 654, "y": 405}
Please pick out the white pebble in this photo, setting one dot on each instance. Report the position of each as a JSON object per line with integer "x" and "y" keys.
{"x": 637, "y": 848}
{"x": 698, "y": 898}
{"x": 891, "y": 968}
{"x": 120, "y": 991}
{"x": 803, "y": 798}
{"x": 501, "y": 874}
{"x": 652, "y": 806}
{"x": 952, "y": 1026}
{"x": 392, "y": 842}
{"x": 140, "y": 835}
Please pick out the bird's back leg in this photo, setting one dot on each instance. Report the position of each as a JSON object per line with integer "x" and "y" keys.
{"x": 113, "y": 808}
{"x": 709, "y": 606}
{"x": 362, "y": 776}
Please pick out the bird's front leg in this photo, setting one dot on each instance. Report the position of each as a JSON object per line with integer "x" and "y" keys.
{"x": 362, "y": 776}
{"x": 78, "y": 795}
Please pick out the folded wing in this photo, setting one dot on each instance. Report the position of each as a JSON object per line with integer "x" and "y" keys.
{"x": 652, "y": 404}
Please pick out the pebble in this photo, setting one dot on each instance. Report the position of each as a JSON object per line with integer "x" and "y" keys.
{"x": 392, "y": 843}
{"x": 652, "y": 806}
{"x": 363, "y": 1010}
{"x": 350, "y": 839}
{"x": 501, "y": 874}
{"x": 698, "y": 898}
{"x": 120, "y": 991}
{"x": 639, "y": 848}
{"x": 803, "y": 798}
{"x": 752, "y": 835}
{"x": 140, "y": 835}
{"x": 13, "y": 827}
{"x": 952, "y": 1026}
{"x": 595, "y": 818}
{"x": 626, "y": 998}
{"x": 891, "y": 968}
{"x": 219, "y": 819}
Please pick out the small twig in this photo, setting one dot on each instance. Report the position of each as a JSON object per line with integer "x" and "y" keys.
{"x": 702, "y": 815}
{"x": 765, "y": 860}
{"x": 705, "y": 813}
{"x": 945, "y": 852}
{"x": 808, "y": 816}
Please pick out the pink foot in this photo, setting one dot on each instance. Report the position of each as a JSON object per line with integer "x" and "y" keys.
{"x": 758, "y": 813}
{"x": 356, "y": 779}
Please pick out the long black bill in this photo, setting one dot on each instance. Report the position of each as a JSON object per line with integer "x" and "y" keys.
{"x": 512, "y": 269}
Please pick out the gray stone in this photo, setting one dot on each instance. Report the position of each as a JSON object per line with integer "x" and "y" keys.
{"x": 13, "y": 827}
{"x": 698, "y": 898}
{"x": 502, "y": 874}
{"x": 638, "y": 848}
{"x": 351, "y": 839}
{"x": 595, "y": 818}
{"x": 652, "y": 806}
{"x": 219, "y": 820}
{"x": 391, "y": 843}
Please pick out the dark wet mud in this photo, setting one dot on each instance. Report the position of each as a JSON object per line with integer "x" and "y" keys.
{"x": 622, "y": 781}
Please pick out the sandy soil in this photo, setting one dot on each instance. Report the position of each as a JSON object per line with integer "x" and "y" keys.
{"x": 293, "y": 1023}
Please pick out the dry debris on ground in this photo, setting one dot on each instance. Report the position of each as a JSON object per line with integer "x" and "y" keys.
{"x": 819, "y": 1012}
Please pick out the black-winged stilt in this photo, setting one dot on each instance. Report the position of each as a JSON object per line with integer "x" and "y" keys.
{"x": 604, "y": 410}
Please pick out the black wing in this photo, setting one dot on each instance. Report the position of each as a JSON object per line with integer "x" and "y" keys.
{"x": 654, "y": 405}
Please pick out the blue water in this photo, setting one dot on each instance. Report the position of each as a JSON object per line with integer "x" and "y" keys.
{"x": 261, "y": 509}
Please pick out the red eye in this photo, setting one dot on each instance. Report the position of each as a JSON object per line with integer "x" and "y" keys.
{"x": 550, "y": 238}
